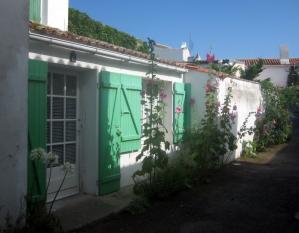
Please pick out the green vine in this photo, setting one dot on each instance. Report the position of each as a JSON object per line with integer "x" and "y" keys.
{"x": 81, "y": 24}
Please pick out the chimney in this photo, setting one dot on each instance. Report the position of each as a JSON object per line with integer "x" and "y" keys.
{"x": 284, "y": 54}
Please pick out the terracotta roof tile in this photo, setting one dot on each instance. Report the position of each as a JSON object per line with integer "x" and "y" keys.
{"x": 56, "y": 33}
{"x": 267, "y": 61}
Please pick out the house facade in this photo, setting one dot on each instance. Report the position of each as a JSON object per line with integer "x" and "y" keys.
{"x": 85, "y": 106}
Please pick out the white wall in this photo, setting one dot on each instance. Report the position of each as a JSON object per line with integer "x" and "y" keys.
{"x": 278, "y": 74}
{"x": 54, "y": 13}
{"x": 13, "y": 105}
{"x": 246, "y": 96}
{"x": 88, "y": 157}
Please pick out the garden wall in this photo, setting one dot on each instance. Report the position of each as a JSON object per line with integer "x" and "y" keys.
{"x": 246, "y": 96}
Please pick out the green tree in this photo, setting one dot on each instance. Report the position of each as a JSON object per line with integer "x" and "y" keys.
{"x": 293, "y": 76}
{"x": 252, "y": 71}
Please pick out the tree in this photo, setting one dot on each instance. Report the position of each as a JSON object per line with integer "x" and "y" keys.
{"x": 293, "y": 76}
{"x": 252, "y": 71}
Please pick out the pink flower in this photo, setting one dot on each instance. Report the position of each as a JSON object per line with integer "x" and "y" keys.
{"x": 232, "y": 116}
{"x": 162, "y": 95}
{"x": 259, "y": 110}
{"x": 210, "y": 57}
{"x": 178, "y": 109}
{"x": 192, "y": 102}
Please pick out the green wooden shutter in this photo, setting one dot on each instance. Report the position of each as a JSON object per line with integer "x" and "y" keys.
{"x": 178, "y": 111}
{"x": 130, "y": 113}
{"x": 109, "y": 144}
{"x": 37, "y": 107}
{"x": 181, "y": 100}
{"x": 35, "y": 10}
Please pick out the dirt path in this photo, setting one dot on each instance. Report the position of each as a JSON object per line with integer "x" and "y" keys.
{"x": 258, "y": 196}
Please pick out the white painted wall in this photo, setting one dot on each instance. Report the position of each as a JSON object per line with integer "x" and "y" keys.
{"x": 88, "y": 107}
{"x": 13, "y": 105}
{"x": 246, "y": 96}
{"x": 55, "y": 13}
{"x": 278, "y": 74}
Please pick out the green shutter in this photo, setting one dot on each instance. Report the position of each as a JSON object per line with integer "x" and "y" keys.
{"x": 109, "y": 144}
{"x": 181, "y": 100}
{"x": 130, "y": 113}
{"x": 37, "y": 107}
{"x": 35, "y": 10}
{"x": 120, "y": 125}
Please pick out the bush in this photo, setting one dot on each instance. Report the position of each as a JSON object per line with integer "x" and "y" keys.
{"x": 273, "y": 123}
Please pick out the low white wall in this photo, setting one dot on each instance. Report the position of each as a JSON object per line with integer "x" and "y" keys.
{"x": 246, "y": 96}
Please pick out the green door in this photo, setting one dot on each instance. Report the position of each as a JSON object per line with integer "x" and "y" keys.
{"x": 181, "y": 110}
{"x": 110, "y": 136}
{"x": 37, "y": 108}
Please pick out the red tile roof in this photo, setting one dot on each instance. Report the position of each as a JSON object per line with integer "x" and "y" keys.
{"x": 294, "y": 61}
{"x": 267, "y": 61}
{"x": 56, "y": 33}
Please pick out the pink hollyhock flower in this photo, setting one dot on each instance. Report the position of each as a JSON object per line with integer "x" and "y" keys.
{"x": 162, "y": 95}
{"x": 192, "y": 102}
{"x": 178, "y": 109}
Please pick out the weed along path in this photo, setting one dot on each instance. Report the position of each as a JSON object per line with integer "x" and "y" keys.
{"x": 250, "y": 195}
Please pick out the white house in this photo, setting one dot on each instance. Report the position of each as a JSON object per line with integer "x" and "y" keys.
{"x": 277, "y": 69}
{"x": 85, "y": 106}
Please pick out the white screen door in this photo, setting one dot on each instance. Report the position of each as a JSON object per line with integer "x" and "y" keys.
{"x": 62, "y": 134}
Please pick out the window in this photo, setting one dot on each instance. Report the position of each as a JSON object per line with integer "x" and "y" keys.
{"x": 62, "y": 100}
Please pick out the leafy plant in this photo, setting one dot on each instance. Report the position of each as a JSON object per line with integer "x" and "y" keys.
{"x": 252, "y": 71}
{"x": 153, "y": 153}
{"x": 81, "y": 24}
{"x": 213, "y": 139}
{"x": 228, "y": 69}
{"x": 273, "y": 123}
{"x": 249, "y": 149}
{"x": 293, "y": 77}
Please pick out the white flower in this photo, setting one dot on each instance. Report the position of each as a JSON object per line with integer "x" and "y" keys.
{"x": 52, "y": 158}
{"x": 38, "y": 154}
{"x": 68, "y": 167}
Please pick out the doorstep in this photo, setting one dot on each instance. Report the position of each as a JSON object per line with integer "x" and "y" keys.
{"x": 82, "y": 209}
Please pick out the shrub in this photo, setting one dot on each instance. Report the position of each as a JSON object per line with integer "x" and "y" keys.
{"x": 273, "y": 123}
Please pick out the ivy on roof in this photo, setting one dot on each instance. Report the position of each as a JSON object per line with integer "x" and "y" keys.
{"x": 81, "y": 24}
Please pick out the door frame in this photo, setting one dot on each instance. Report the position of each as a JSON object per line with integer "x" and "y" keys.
{"x": 73, "y": 190}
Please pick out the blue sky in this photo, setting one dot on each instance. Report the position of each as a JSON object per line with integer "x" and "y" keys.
{"x": 233, "y": 29}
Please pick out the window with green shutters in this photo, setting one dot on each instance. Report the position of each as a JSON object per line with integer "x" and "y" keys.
{"x": 37, "y": 108}
{"x": 181, "y": 110}
{"x": 120, "y": 125}
{"x": 35, "y": 10}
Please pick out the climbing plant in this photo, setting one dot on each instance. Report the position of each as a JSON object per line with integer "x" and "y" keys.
{"x": 81, "y": 24}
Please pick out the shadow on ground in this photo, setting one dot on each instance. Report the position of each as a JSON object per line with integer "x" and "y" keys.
{"x": 258, "y": 196}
